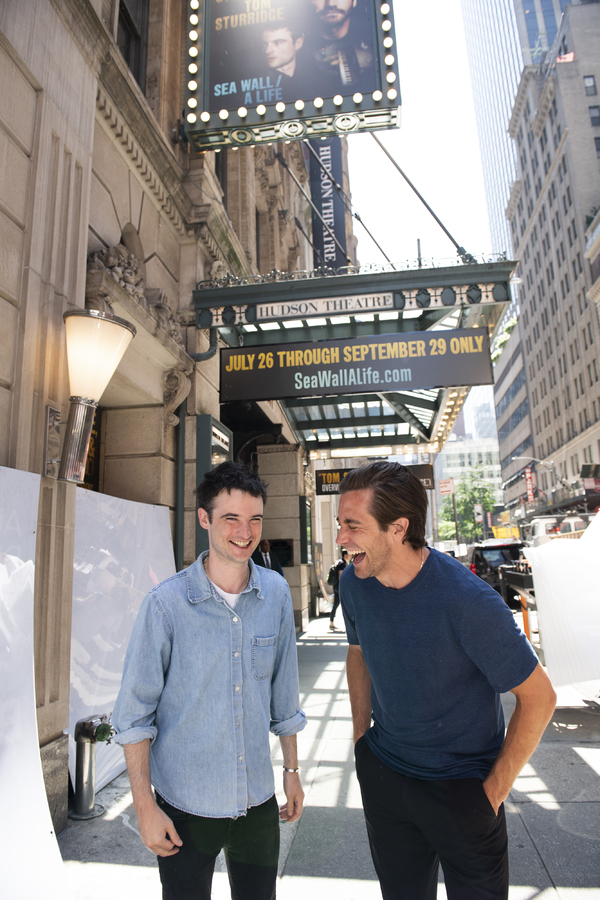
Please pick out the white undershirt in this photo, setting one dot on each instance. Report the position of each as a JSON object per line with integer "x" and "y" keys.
{"x": 230, "y": 599}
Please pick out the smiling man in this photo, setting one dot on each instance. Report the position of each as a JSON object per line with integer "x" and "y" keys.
{"x": 211, "y": 668}
{"x": 432, "y": 647}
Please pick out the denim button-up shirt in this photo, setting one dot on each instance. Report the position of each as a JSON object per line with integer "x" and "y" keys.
{"x": 206, "y": 683}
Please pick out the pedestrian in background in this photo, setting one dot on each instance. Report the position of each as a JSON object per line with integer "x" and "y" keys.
{"x": 264, "y": 556}
{"x": 333, "y": 579}
{"x": 432, "y": 647}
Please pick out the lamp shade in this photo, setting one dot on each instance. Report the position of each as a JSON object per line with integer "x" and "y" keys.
{"x": 96, "y": 342}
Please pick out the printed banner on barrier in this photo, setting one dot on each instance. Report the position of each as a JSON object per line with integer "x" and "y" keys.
{"x": 392, "y": 362}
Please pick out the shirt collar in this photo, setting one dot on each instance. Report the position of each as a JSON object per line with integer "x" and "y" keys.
{"x": 198, "y": 583}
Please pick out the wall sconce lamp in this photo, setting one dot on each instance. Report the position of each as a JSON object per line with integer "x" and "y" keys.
{"x": 96, "y": 342}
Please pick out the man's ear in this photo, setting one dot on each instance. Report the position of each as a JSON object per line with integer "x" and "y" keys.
{"x": 299, "y": 42}
{"x": 399, "y": 529}
{"x": 203, "y": 518}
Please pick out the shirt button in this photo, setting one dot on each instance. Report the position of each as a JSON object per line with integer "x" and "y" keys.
{"x": 236, "y": 654}
{"x": 237, "y": 687}
{"x": 235, "y": 618}
{"x": 240, "y": 758}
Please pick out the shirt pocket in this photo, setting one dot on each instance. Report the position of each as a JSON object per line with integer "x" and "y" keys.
{"x": 263, "y": 656}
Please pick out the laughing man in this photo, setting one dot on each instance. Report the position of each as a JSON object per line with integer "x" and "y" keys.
{"x": 432, "y": 647}
{"x": 211, "y": 668}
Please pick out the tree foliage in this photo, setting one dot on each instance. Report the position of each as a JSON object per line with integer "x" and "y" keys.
{"x": 471, "y": 489}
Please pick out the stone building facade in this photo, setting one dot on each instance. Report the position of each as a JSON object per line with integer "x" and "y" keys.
{"x": 555, "y": 125}
{"x": 102, "y": 206}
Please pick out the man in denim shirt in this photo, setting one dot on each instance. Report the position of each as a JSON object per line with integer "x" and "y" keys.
{"x": 211, "y": 668}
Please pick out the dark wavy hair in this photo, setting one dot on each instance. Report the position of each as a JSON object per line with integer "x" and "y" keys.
{"x": 395, "y": 493}
{"x": 228, "y": 476}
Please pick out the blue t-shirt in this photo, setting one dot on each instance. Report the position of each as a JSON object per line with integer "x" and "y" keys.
{"x": 439, "y": 652}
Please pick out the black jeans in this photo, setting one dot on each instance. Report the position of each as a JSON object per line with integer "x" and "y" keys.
{"x": 336, "y": 603}
{"x": 251, "y": 845}
{"x": 413, "y": 825}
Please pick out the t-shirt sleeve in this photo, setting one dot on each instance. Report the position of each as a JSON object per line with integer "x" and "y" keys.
{"x": 348, "y": 611}
{"x": 493, "y": 640}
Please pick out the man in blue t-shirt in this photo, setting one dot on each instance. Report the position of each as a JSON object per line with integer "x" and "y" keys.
{"x": 431, "y": 649}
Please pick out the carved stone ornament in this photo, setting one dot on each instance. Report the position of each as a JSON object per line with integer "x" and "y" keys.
{"x": 177, "y": 386}
{"x": 126, "y": 271}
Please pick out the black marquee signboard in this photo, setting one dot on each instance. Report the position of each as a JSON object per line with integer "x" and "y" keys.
{"x": 391, "y": 362}
{"x": 260, "y": 71}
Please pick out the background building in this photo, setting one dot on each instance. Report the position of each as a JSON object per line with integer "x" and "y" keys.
{"x": 555, "y": 125}
{"x": 102, "y": 206}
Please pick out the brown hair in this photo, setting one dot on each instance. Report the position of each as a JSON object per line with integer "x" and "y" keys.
{"x": 395, "y": 493}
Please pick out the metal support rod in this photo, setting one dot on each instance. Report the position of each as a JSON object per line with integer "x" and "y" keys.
{"x": 212, "y": 347}
{"x": 301, "y": 229}
{"x": 180, "y": 487}
{"x": 280, "y": 158}
{"x": 466, "y": 257}
{"x": 345, "y": 200}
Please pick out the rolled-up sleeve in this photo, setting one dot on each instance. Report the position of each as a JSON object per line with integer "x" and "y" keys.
{"x": 287, "y": 717}
{"x": 146, "y": 663}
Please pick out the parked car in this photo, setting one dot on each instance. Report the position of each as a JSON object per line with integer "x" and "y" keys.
{"x": 486, "y": 559}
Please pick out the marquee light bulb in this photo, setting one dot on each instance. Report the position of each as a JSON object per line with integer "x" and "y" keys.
{"x": 223, "y": 114}
{"x": 193, "y": 85}
{"x": 385, "y": 8}
{"x": 358, "y": 98}
{"x": 392, "y": 94}
{"x": 389, "y": 60}
{"x": 299, "y": 104}
{"x": 193, "y": 35}
{"x": 377, "y": 95}
{"x": 338, "y": 100}
{"x": 191, "y": 117}
{"x": 386, "y": 24}
{"x": 390, "y": 77}
{"x": 193, "y": 51}
{"x": 192, "y": 102}
{"x": 261, "y": 109}
{"x": 194, "y": 19}
{"x": 388, "y": 42}
{"x": 242, "y": 112}
{"x": 192, "y": 68}
{"x": 280, "y": 107}
{"x": 205, "y": 116}
{"x": 194, "y": 4}
{"x": 318, "y": 102}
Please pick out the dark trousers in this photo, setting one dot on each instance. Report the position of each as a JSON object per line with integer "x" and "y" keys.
{"x": 336, "y": 603}
{"x": 413, "y": 825}
{"x": 251, "y": 845}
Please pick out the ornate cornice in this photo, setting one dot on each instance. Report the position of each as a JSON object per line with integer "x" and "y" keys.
{"x": 118, "y": 289}
{"x": 548, "y": 92}
{"x": 515, "y": 195}
{"x": 163, "y": 186}
{"x": 520, "y": 100}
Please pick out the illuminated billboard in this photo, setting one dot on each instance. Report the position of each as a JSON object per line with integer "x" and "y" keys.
{"x": 260, "y": 71}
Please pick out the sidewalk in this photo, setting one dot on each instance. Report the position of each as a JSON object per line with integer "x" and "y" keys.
{"x": 553, "y": 811}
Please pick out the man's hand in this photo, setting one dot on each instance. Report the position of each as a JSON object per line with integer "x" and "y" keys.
{"x": 535, "y": 704}
{"x": 292, "y": 810}
{"x": 157, "y": 830}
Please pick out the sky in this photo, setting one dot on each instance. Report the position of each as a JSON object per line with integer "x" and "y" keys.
{"x": 436, "y": 146}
